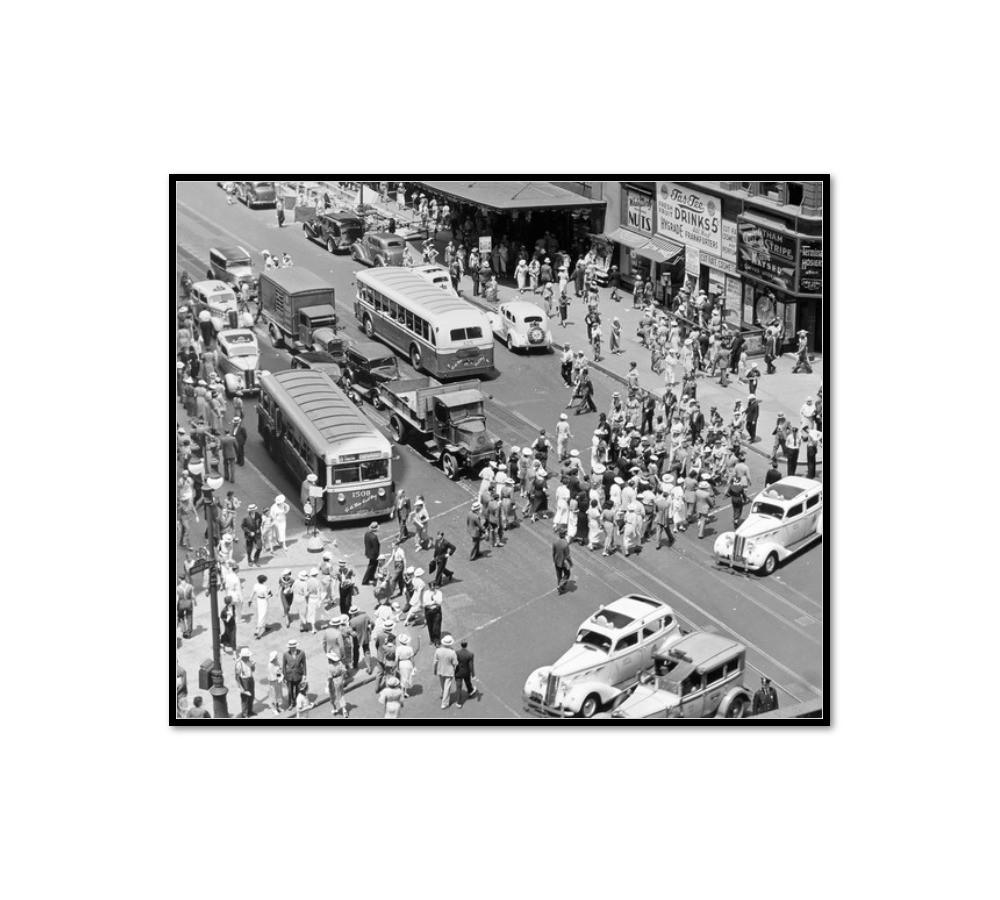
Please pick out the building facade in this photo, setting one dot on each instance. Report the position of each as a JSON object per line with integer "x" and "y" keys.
{"x": 757, "y": 244}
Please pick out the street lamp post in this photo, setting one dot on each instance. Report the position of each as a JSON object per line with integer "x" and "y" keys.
{"x": 210, "y": 484}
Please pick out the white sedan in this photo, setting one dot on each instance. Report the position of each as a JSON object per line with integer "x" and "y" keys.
{"x": 238, "y": 359}
{"x": 521, "y": 325}
{"x": 438, "y": 276}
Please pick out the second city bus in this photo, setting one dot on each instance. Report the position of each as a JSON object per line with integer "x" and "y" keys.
{"x": 310, "y": 426}
{"x": 439, "y": 334}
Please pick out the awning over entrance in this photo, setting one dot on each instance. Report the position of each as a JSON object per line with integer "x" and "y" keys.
{"x": 659, "y": 250}
{"x": 508, "y": 195}
{"x": 628, "y": 238}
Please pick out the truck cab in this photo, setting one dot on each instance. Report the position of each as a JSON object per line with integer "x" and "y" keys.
{"x": 460, "y": 425}
{"x": 317, "y": 330}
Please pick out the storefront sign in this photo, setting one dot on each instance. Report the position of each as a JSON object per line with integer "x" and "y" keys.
{"x": 767, "y": 253}
{"x": 639, "y": 211}
{"x": 716, "y": 282}
{"x": 811, "y": 266}
{"x": 692, "y": 261}
{"x": 729, "y": 241}
{"x": 732, "y": 293}
{"x": 717, "y": 262}
{"x": 689, "y": 217}
{"x": 486, "y": 245}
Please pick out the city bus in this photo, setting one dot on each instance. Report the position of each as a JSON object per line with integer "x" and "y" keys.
{"x": 309, "y": 425}
{"x": 441, "y": 335}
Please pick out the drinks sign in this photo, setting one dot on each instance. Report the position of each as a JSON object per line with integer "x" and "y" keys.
{"x": 689, "y": 217}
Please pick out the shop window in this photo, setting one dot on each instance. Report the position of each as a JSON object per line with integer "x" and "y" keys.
{"x": 773, "y": 190}
{"x": 794, "y": 194}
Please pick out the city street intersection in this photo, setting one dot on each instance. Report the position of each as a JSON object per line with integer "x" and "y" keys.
{"x": 506, "y": 603}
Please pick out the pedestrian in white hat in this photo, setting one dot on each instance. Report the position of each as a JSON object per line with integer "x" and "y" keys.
{"x": 445, "y": 664}
{"x": 279, "y": 518}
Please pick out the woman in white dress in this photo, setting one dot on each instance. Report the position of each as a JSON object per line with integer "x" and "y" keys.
{"x": 594, "y": 528}
{"x": 404, "y": 660}
{"x": 279, "y": 519}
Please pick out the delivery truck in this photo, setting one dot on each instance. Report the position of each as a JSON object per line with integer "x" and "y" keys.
{"x": 298, "y": 307}
{"x": 447, "y": 421}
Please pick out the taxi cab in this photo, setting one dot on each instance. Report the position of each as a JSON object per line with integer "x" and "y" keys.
{"x": 379, "y": 248}
{"x": 521, "y": 326}
{"x": 784, "y": 517}
{"x": 219, "y": 301}
{"x": 238, "y": 360}
{"x": 612, "y": 648}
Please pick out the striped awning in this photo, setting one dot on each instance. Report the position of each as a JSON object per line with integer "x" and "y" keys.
{"x": 659, "y": 249}
{"x": 628, "y": 238}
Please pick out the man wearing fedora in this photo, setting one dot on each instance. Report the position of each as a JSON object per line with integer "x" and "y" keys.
{"x": 293, "y": 667}
{"x": 252, "y": 526}
{"x": 445, "y": 665}
{"x": 245, "y": 681}
{"x": 465, "y": 671}
{"x": 561, "y": 559}
{"x": 372, "y": 549}
{"x": 361, "y": 625}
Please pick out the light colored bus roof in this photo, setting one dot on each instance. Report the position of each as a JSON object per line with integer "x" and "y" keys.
{"x": 323, "y": 413}
{"x": 401, "y": 283}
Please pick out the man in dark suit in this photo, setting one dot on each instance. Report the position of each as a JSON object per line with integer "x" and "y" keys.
{"x": 697, "y": 423}
{"x": 753, "y": 413}
{"x": 561, "y": 559}
{"x": 465, "y": 671}
{"x": 252, "y": 525}
{"x": 240, "y": 433}
{"x": 228, "y": 443}
{"x": 443, "y": 548}
{"x": 474, "y": 525}
{"x": 372, "y": 549}
{"x": 293, "y": 666}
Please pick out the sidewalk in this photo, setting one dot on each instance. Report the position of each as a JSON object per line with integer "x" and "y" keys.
{"x": 780, "y": 392}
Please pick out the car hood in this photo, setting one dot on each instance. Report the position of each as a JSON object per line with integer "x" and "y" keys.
{"x": 757, "y": 526}
{"x": 577, "y": 659}
{"x": 243, "y": 273}
{"x": 244, "y": 363}
{"x": 645, "y": 702}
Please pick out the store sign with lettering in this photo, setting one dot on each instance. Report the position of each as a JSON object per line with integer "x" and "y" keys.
{"x": 639, "y": 211}
{"x": 811, "y": 266}
{"x": 767, "y": 253}
{"x": 692, "y": 261}
{"x": 689, "y": 217}
{"x": 729, "y": 241}
{"x": 732, "y": 293}
{"x": 717, "y": 262}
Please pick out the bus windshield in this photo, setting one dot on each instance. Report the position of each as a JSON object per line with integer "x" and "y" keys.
{"x": 366, "y": 470}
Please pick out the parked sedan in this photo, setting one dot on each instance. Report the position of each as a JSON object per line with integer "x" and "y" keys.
{"x": 336, "y": 231}
{"x": 521, "y": 325}
{"x": 256, "y": 193}
{"x": 238, "y": 360}
{"x": 379, "y": 248}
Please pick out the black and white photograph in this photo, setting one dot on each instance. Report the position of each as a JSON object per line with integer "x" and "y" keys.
{"x": 500, "y": 450}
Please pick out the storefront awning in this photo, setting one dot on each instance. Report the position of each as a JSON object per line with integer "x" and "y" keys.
{"x": 628, "y": 238}
{"x": 509, "y": 195}
{"x": 659, "y": 250}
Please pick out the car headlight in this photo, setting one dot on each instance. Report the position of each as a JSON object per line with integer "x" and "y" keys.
{"x": 340, "y": 498}
{"x": 751, "y": 546}
{"x": 381, "y": 492}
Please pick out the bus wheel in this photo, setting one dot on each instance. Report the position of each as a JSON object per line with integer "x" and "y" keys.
{"x": 398, "y": 429}
{"x": 450, "y": 466}
{"x": 414, "y": 356}
{"x": 369, "y": 330}
{"x": 275, "y": 334}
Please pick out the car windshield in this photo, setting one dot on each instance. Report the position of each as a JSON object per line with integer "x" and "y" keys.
{"x": 370, "y": 470}
{"x": 761, "y": 508}
{"x": 612, "y": 619}
{"x": 593, "y": 639}
{"x": 385, "y": 367}
{"x": 249, "y": 349}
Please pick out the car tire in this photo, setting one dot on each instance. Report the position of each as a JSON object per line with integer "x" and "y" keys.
{"x": 369, "y": 328}
{"x": 415, "y": 359}
{"x": 377, "y": 402}
{"x": 329, "y": 245}
{"x": 398, "y": 429}
{"x": 277, "y": 339}
{"x": 591, "y": 704}
{"x": 770, "y": 563}
{"x": 450, "y": 466}
{"x": 738, "y": 708}
{"x": 379, "y": 261}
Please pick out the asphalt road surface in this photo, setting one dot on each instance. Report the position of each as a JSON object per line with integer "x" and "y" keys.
{"x": 506, "y": 603}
